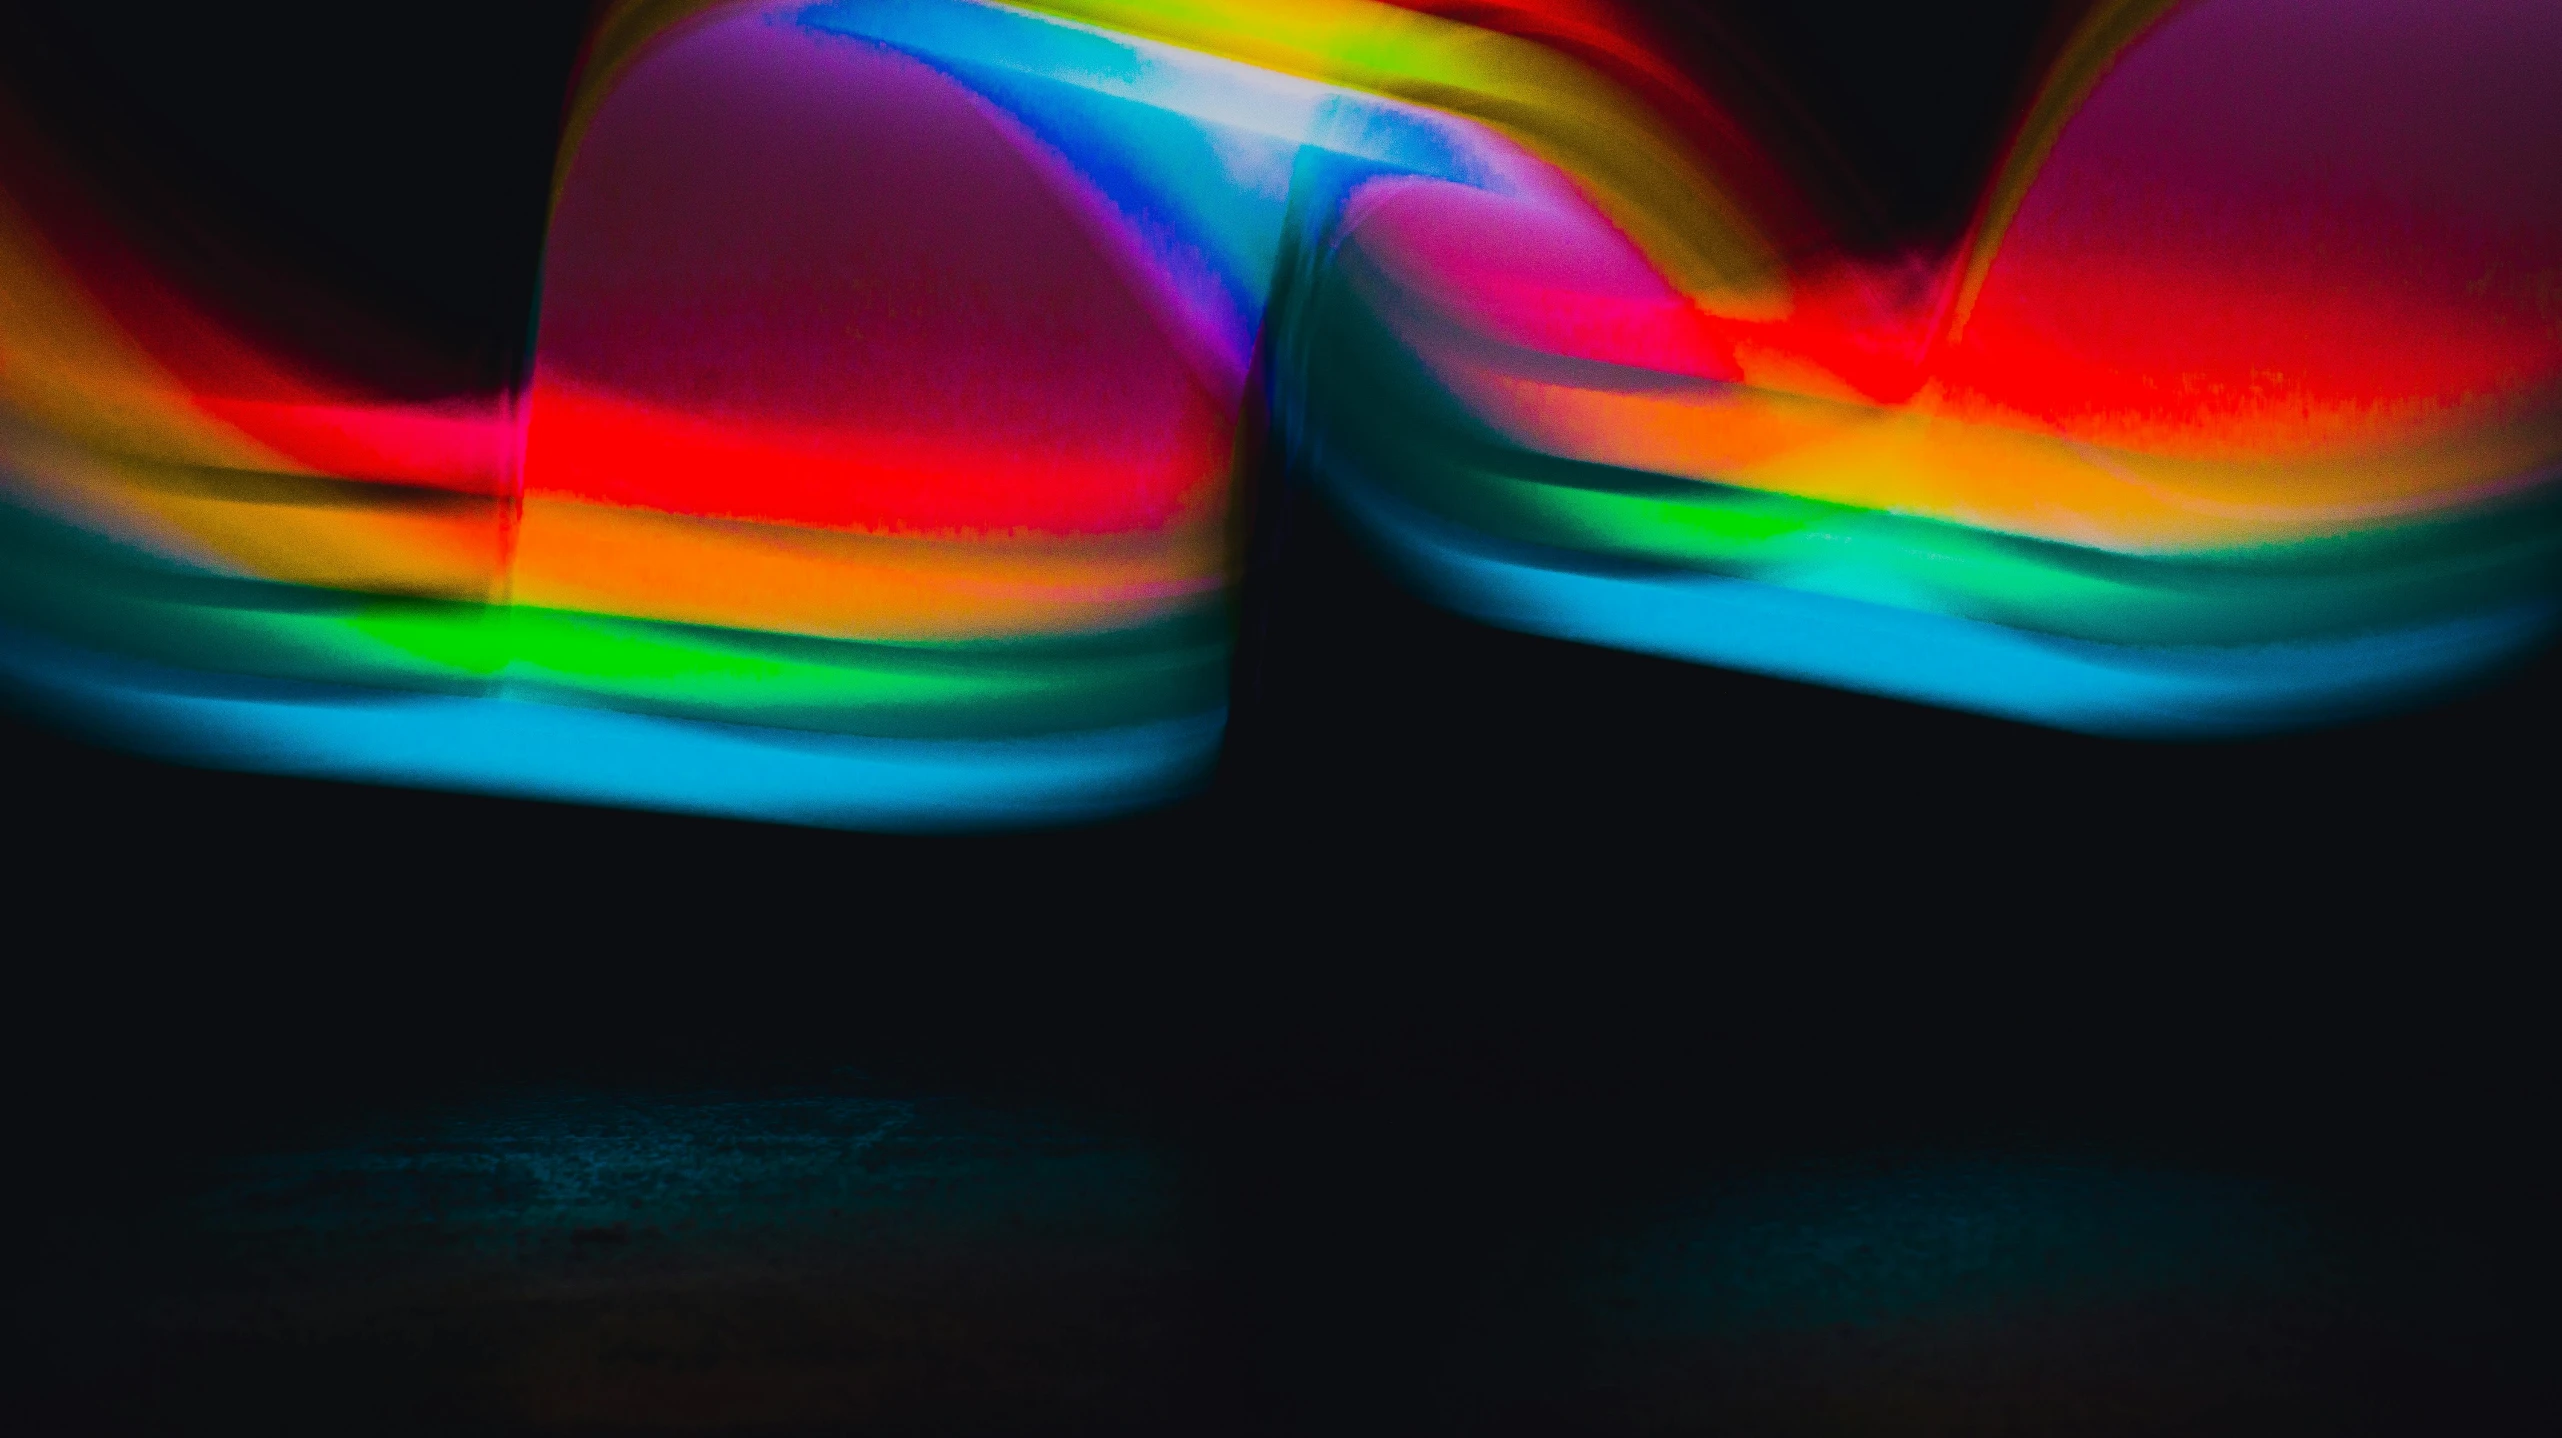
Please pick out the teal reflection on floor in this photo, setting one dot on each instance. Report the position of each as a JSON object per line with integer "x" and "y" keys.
{"x": 597, "y": 1261}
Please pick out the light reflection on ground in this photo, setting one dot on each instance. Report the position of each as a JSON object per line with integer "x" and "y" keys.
{"x": 705, "y": 1262}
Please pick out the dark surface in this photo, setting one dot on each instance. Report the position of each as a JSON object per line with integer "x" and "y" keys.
{"x": 1521, "y": 1038}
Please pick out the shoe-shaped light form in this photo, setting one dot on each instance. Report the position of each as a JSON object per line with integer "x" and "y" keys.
{"x": 875, "y": 463}
{"x": 2238, "y": 408}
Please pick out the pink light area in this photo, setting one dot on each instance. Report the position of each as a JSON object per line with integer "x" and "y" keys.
{"x": 1549, "y": 275}
{"x": 802, "y": 278}
{"x": 2342, "y": 212}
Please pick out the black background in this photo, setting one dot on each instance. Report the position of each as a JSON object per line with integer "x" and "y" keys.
{"x": 1454, "y": 887}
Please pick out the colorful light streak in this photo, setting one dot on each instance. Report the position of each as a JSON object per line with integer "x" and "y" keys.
{"x": 875, "y": 463}
{"x": 2234, "y": 411}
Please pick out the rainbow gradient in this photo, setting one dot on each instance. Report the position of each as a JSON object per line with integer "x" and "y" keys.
{"x": 877, "y": 459}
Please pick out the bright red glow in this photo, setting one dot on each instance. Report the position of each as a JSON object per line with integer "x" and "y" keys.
{"x": 796, "y": 277}
{"x": 2288, "y": 224}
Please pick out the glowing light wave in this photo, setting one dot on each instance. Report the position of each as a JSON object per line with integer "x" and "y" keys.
{"x": 2236, "y": 409}
{"x": 875, "y": 460}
